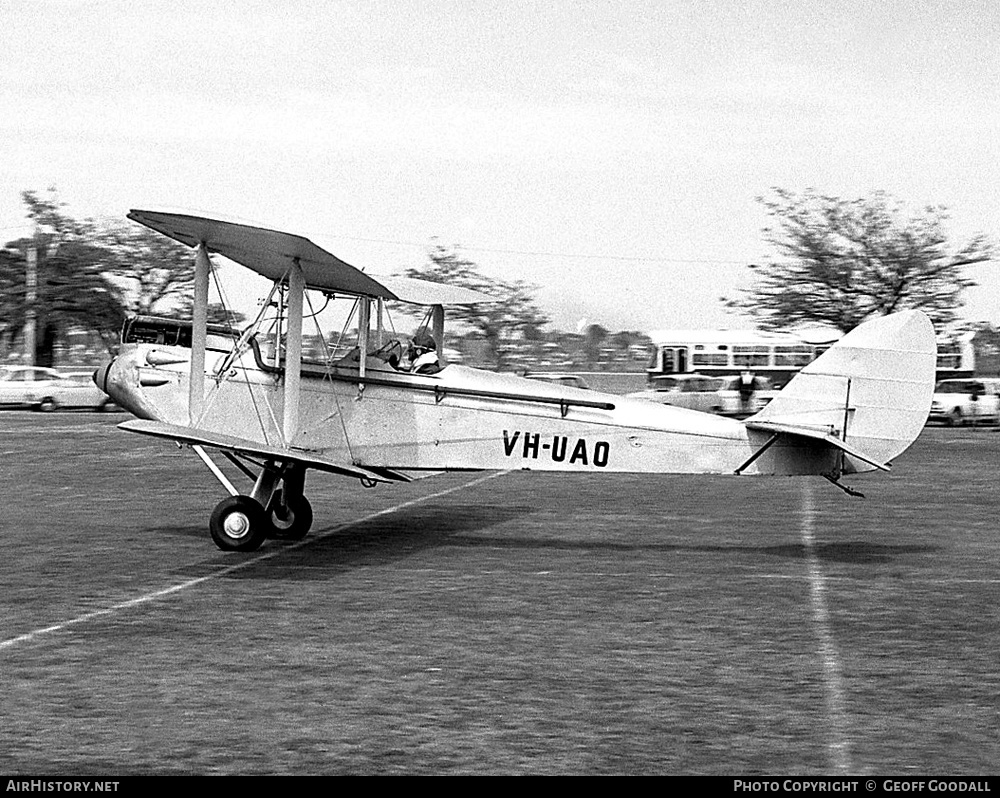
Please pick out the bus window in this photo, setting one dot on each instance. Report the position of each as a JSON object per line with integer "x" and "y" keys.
{"x": 667, "y": 365}
{"x": 751, "y": 356}
{"x": 709, "y": 359}
{"x": 949, "y": 356}
{"x": 669, "y": 360}
{"x": 796, "y": 356}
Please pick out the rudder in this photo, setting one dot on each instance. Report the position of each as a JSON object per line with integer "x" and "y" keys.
{"x": 872, "y": 389}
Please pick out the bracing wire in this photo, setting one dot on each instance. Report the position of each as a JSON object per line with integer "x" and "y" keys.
{"x": 343, "y": 333}
{"x": 328, "y": 358}
{"x": 247, "y": 334}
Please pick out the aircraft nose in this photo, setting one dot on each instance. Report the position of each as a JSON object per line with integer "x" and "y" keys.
{"x": 100, "y": 376}
{"x": 112, "y": 379}
{"x": 119, "y": 379}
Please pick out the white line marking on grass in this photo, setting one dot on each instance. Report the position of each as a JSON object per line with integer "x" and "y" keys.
{"x": 908, "y": 581}
{"x": 461, "y": 572}
{"x": 90, "y": 428}
{"x": 840, "y": 746}
{"x": 167, "y": 591}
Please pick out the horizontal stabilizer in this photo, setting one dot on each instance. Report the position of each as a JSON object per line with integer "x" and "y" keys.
{"x": 816, "y": 435}
{"x": 244, "y": 446}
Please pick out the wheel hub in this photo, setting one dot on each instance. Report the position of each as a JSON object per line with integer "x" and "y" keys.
{"x": 237, "y": 525}
{"x": 283, "y": 517}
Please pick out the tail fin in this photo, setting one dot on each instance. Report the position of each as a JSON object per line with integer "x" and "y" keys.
{"x": 871, "y": 390}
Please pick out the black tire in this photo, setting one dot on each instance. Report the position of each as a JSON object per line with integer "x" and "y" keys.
{"x": 47, "y": 405}
{"x": 292, "y": 522}
{"x": 238, "y": 524}
{"x": 955, "y": 418}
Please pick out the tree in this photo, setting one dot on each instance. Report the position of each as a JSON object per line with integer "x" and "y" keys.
{"x": 157, "y": 271}
{"x": 624, "y": 340}
{"x": 90, "y": 274}
{"x": 72, "y": 289}
{"x": 511, "y": 315}
{"x": 216, "y": 313}
{"x": 843, "y": 261}
{"x": 594, "y": 335}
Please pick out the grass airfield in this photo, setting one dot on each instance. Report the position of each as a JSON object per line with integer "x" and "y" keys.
{"x": 483, "y": 623}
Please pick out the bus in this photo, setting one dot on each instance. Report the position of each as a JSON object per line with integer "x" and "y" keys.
{"x": 777, "y": 356}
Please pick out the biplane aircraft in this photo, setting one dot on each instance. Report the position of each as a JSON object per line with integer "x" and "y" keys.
{"x": 252, "y": 396}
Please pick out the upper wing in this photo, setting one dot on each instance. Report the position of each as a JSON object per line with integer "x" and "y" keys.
{"x": 237, "y": 445}
{"x": 271, "y": 252}
{"x": 424, "y": 292}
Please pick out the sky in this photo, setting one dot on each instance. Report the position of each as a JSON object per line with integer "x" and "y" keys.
{"x": 610, "y": 153}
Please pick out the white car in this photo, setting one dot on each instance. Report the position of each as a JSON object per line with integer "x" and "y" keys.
{"x": 967, "y": 401}
{"x": 745, "y": 395}
{"x": 83, "y": 392}
{"x": 728, "y": 396}
{"x": 46, "y": 389}
{"x": 570, "y": 380}
{"x": 692, "y": 391}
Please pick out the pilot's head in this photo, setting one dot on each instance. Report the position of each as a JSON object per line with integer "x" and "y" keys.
{"x": 422, "y": 342}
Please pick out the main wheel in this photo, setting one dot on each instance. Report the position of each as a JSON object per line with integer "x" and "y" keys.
{"x": 955, "y": 418}
{"x": 47, "y": 405}
{"x": 291, "y": 522}
{"x": 238, "y": 524}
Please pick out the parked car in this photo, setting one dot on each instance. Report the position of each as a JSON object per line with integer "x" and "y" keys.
{"x": 745, "y": 394}
{"x": 692, "y": 391}
{"x": 737, "y": 395}
{"x": 46, "y": 389}
{"x": 966, "y": 401}
{"x": 570, "y": 380}
{"x": 83, "y": 393}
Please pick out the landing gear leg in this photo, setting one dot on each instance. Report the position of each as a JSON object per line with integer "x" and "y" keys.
{"x": 243, "y": 523}
{"x": 289, "y": 513}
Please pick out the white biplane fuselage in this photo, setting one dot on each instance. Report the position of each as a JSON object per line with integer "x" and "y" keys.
{"x": 852, "y": 410}
{"x": 459, "y": 418}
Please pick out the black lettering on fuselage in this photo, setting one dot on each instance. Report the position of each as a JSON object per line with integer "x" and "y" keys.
{"x": 531, "y": 445}
{"x": 533, "y": 448}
